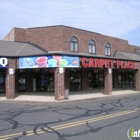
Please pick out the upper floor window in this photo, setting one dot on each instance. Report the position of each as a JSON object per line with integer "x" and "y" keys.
{"x": 91, "y": 46}
{"x": 74, "y": 44}
{"x": 107, "y": 49}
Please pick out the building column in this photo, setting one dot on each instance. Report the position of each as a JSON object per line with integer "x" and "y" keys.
{"x": 108, "y": 82}
{"x": 59, "y": 76}
{"x": 116, "y": 81}
{"x": 137, "y": 79}
{"x": 10, "y": 79}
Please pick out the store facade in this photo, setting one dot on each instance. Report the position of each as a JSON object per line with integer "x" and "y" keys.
{"x": 3, "y": 69}
{"x": 72, "y": 72}
{"x": 54, "y": 72}
{"x": 70, "y": 58}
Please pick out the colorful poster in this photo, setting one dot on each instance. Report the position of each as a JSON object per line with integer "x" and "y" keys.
{"x": 48, "y": 61}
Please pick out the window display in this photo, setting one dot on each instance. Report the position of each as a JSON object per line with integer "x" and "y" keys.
{"x": 96, "y": 78}
{"x": 75, "y": 79}
{"x": 43, "y": 80}
{"x": 126, "y": 78}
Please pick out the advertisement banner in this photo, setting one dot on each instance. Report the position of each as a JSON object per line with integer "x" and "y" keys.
{"x": 48, "y": 61}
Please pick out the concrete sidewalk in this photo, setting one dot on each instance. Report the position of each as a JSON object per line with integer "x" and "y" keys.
{"x": 74, "y": 96}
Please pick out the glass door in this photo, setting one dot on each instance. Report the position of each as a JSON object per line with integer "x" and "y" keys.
{"x": 22, "y": 80}
{"x": 43, "y": 80}
{"x": 96, "y": 78}
{"x": 75, "y": 79}
{"x": 2, "y": 81}
{"x": 126, "y": 79}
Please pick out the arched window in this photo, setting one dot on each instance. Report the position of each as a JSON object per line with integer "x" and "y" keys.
{"x": 73, "y": 44}
{"x": 91, "y": 46}
{"x": 107, "y": 49}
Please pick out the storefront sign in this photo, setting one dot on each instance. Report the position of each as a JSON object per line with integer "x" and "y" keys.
{"x": 3, "y": 62}
{"x": 11, "y": 71}
{"x": 48, "y": 62}
{"x": 107, "y": 63}
{"x": 61, "y": 70}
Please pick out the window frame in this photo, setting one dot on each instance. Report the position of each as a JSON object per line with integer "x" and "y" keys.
{"x": 74, "y": 44}
{"x": 107, "y": 49}
{"x": 92, "y": 47}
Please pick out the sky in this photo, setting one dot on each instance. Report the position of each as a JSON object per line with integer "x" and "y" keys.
{"x": 116, "y": 18}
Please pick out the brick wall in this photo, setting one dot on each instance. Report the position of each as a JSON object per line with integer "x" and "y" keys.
{"x": 108, "y": 82}
{"x": 10, "y": 36}
{"x": 10, "y": 79}
{"x": 48, "y": 38}
{"x": 57, "y": 38}
{"x": 59, "y": 85}
{"x": 100, "y": 40}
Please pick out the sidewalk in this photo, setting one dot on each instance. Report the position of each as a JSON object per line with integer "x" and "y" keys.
{"x": 74, "y": 96}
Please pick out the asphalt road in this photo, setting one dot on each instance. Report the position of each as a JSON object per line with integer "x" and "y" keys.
{"x": 100, "y": 119}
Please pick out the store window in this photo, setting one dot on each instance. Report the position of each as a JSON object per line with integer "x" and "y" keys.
{"x": 96, "y": 78}
{"x": 126, "y": 79}
{"x": 75, "y": 79}
{"x": 74, "y": 44}
{"x": 107, "y": 49}
{"x": 2, "y": 80}
{"x": 91, "y": 46}
{"x": 43, "y": 80}
{"x": 22, "y": 80}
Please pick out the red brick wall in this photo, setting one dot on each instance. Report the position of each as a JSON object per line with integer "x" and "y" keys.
{"x": 10, "y": 36}
{"x": 59, "y": 85}
{"x": 100, "y": 40}
{"x": 49, "y": 38}
{"x": 20, "y": 34}
{"x": 10, "y": 79}
{"x": 108, "y": 82}
{"x": 57, "y": 38}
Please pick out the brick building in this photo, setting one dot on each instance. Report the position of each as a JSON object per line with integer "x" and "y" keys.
{"x": 55, "y": 57}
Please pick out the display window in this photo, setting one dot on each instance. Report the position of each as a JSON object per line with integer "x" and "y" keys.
{"x": 22, "y": 80}
{"x": 96, "y": 78}
{"x": 2, "y": 80}
{"x": 43, "y": 80}
{"x": 126, "y": 78}
{"x": 75, "y": 79}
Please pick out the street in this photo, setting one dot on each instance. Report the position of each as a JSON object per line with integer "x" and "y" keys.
{"x": 109, "y": 118}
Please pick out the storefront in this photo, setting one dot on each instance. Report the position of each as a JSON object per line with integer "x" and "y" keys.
{"x": 41, "y": 69}
{"x": 3, "y": 68}
{"x": 42, "y": 72}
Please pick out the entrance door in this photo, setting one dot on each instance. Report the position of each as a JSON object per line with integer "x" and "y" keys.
{"x": 2, "y": 80}
{"x": 22, "y": 80}
{"x": 43, "y": 80}
{"x": 126, "y": 78}
{"x": 96, "y": 78}
{"x": 75, "y": 79}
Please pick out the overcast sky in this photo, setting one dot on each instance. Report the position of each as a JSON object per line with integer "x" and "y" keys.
{"x": 117, "y": 18}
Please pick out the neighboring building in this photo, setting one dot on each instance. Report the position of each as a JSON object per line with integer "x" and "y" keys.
{"x": 53, "y": 58}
